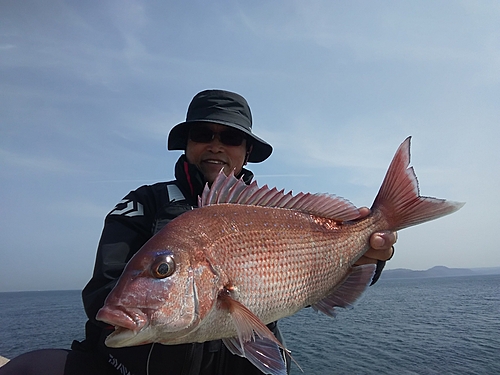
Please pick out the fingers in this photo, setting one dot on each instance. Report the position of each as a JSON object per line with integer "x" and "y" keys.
{"x": 376, "y": 255}
{"x": 372, "y": 256}
{"x": 383, "y": 240}
{"x": 381, "y": 248}
{"x": 363, "y": 212}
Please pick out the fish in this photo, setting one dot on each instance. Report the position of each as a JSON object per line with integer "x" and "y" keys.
{"x": 251, "y": 255}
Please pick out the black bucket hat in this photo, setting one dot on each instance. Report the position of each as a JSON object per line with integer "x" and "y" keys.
{"x": 220, "y": 107}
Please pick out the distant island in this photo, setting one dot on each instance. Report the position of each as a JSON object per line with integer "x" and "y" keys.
{"x": 438, "y": 271}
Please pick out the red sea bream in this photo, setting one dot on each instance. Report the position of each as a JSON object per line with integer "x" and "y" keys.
{"x": 250, "y": 256}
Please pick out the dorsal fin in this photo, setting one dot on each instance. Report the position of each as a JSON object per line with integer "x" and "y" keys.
{"x": 229, "y": 189}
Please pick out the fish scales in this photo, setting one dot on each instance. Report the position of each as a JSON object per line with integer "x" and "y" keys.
{"x": 266, "y": 243}
{"x": 226, "y": 269}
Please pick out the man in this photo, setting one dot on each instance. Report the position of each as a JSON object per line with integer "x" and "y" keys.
{"x": 217, "y": 134}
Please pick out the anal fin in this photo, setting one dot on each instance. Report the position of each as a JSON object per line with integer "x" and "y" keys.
{"x": 348, "y": 291}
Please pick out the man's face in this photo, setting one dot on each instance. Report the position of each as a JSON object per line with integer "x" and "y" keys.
{"x": 212, "y": 147}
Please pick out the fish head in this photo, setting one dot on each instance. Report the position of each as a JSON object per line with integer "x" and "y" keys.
{"x": 163, "y": 294}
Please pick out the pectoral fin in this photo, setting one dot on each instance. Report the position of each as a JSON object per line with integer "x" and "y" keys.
{"x": 347, "y": 292}
{"x": 255, "y": 341}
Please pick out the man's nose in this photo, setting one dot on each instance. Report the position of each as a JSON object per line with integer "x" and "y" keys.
{"x": 215, "y": 143}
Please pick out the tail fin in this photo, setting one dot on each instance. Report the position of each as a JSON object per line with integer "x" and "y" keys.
{"x": 398, "y": 198}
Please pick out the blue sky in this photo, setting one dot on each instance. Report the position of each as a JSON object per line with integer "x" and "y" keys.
{"x": 90, "y": 89}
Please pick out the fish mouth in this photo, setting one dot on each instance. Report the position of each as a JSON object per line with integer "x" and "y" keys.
{"x": 131, "y": 326}
{"x": 122, "y": 337}
{"x": 133, "y": 320}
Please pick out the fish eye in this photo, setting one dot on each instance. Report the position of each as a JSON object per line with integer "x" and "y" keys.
{"x": 163, "y": 267}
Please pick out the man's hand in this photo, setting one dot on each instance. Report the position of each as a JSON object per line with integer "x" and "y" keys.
{"x": 381, "y": 244}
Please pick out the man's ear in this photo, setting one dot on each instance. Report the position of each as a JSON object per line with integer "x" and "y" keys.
{"x": 249, "y": 151}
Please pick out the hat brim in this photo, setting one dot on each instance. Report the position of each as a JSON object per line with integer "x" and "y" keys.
{"x": 177, "y": 139}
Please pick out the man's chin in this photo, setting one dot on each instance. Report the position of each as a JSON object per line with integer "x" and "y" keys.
{"x": 212, "y": 171}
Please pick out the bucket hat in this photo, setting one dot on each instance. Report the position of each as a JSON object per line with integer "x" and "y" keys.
{"x": 220, "y": 107}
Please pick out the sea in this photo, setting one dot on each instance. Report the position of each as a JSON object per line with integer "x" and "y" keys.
{"x": 448, "y": 325}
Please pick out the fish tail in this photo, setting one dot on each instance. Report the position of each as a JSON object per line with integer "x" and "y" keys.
{"x": 399, "y": 199}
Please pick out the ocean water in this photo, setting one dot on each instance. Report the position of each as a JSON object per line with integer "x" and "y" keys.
{"x": 408, "y": 326}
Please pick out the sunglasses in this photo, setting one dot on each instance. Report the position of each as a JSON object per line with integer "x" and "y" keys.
{"x": 202, "y": 134}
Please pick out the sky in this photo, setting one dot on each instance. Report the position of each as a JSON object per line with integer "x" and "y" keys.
{"x": 90, "y": 89}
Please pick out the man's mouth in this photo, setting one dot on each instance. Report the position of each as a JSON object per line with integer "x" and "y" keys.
{"x": 213, "y": 161}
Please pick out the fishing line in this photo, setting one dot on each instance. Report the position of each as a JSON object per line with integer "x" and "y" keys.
{"x": 149, "y": 358}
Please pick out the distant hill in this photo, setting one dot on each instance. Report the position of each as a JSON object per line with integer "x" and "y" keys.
{"x": 438, "y": 271}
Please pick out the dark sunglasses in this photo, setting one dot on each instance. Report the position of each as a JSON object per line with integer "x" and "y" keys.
{"x": 202, "y": 134}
